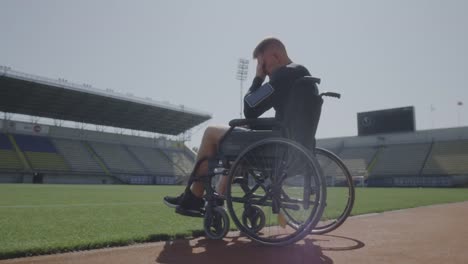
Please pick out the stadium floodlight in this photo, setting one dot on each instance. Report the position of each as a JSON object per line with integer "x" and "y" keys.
{"x": 432, "y": 108}
{"x": 242, "y": 69}
{"x": 459, "y": 104}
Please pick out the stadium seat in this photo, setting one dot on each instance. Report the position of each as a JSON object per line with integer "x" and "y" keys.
{"x": 41, "y": 153}
{"x": 9, "y": 160}
{"x": 183, "y": 164}
{"x": 8, "y": 157}
{"x": 5, "y": 142}
{"x": 46, "y": 161}
{"x": 155, "y": 161}
{"x": 117, "y": 158}
{"x": 447, "y": 158}
{"x": 77, "y": 156}
{"x": 401, "y": 159}
{"x": 358, "y": 159}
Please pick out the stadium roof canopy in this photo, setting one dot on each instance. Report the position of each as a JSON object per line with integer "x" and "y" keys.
{"x": 26, "y": 94}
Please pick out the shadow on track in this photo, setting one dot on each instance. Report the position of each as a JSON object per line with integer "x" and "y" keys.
{"x": 240, "y": 250}
{"x": 337, "y": 243}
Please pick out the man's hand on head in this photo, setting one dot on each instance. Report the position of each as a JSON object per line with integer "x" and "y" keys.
{"x": 260, "y": 68}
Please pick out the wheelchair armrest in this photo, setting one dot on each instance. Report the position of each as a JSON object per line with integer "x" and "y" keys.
{"x": 256, "y": 123}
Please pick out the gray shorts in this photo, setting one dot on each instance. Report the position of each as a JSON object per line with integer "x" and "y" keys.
{"x": 240, "y": 138}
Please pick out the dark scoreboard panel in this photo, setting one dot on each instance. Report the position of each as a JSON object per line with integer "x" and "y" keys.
{"x": 386, "y": 121}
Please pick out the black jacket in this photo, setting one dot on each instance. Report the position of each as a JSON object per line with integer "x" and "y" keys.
{"x": 282, "y": 80}
{"x": 295, "y": 101}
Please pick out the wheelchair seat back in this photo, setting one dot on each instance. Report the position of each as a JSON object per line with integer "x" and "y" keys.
{"x": 302, "y": 112}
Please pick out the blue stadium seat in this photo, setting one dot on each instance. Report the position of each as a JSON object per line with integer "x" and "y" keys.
{"x": 5, "y": 142}
{"x": 8, "y": 157}
{"x": 34, "y": 144}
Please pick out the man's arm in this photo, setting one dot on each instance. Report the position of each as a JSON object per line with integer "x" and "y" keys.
{"x": 258, "y": 110}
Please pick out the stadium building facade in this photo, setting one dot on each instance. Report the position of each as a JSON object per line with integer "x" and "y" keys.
{"x": 426, "y": 158}
{"x": 50, "y": 154}
{"x": 40, "y": 153}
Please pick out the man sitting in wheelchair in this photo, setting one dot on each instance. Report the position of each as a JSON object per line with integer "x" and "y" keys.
{"x": 284, "y": 92}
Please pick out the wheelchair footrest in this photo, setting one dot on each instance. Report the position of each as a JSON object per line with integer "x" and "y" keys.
{"x": 200, "y": 213}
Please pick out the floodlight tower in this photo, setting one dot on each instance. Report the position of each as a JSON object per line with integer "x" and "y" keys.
{"x": 242, "y": 68}
{"x": 459, "y": 104}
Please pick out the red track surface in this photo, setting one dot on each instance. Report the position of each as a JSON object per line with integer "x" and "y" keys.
{"x": 432, "y": 234}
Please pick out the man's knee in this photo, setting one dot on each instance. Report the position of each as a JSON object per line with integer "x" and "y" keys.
{"x": 214, "y": 133}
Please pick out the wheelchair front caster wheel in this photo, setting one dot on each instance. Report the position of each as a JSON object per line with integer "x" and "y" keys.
{"x": 216, "y": 222}
{"x": 253, "y": 218}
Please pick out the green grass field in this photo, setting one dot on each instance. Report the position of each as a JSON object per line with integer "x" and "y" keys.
{"x": 39, "y": 219}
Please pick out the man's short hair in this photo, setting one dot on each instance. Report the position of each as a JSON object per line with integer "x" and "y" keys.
{"x": 266, "y": 44}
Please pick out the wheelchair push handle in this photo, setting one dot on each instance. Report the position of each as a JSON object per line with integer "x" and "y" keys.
{"x": 309, "y": 81}
{"x": 331, "y": 94}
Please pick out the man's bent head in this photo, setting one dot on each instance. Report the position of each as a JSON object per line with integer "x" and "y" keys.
{"x": 272, "y": 53}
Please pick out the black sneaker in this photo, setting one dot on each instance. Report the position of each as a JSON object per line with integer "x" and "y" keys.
{"x": 190, "y": 205}
{"x": 219, "y": 200}
{"x": 173, "y": 202}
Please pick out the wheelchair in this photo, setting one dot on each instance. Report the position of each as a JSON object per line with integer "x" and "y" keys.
{"x": 276, "y": 191}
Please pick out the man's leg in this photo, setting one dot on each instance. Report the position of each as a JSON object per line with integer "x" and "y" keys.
{"x": 222, "y": 185}
{"x": 208, "y": 149}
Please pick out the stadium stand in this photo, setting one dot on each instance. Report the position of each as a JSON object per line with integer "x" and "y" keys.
{"x": 5, "y": 142}
{"x": 333, "y": 174}
{"x": 117, "y": 158}
{"x": 183, "y": 163}
{"x": 66, "y": 155}
{"x": 358, "y": 159}
{"x": 448, "y": 158}
{"x": 401, "y": 159}
{"x": 41, "y": 153}
{"x": 69, "y": 160}
{"x": 77, "y": 155}
{"x": 154, "y": 160}
{"x": 56, "y": 154}
{"x": 8, "y": 158}
{"x": 426, "y": 158}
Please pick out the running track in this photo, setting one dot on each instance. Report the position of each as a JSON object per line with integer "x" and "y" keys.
{"x": 431, "y": 234}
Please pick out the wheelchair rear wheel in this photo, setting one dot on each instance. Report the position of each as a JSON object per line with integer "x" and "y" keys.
{"x": 282, "y": 183}
{"x": 340, "y": 192}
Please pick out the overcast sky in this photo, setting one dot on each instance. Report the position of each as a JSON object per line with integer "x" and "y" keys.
{"x": 377, "y": 54}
